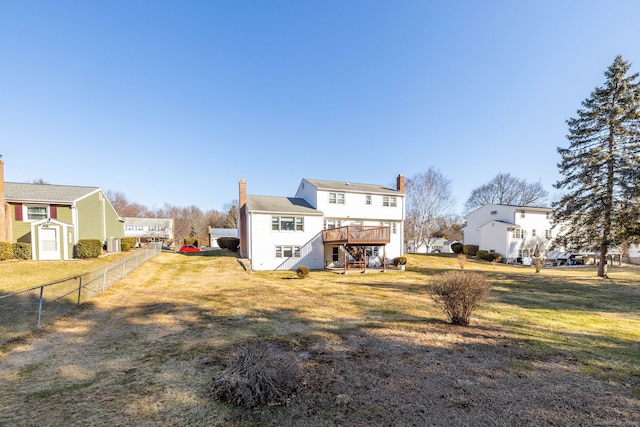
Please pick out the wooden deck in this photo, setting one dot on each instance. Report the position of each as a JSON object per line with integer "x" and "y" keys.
{"x": 363, "y": 235}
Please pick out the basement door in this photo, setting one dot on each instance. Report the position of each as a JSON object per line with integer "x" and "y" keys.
{"x": 49, "y": 244}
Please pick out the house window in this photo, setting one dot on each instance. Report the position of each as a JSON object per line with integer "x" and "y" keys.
{"x": 331, "y": 223}
{"x": 548, "y": 215}
{"x": 287, "y": 223}
{"x": 36, "y": 213}
{"x": 547, "y": 234}
{"x": 335, "y": 254}
{"x": 287, "y": 251}
{"x": 367, "y": 199}
{"x": 336, "y": 198}
{"x": 494, "y": 212}
{"x": 517, "y": 233}
{"x": 522, "y": 215}
{"x": 389, "y": 201}
{"x": 533, "y": 232}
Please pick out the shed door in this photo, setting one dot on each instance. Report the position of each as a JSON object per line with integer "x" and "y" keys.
{"x": 49, "y": 244}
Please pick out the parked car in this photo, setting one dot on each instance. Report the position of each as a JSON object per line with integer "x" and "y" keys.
{"x": 189, "y": 248}
{"x": 167, "y": 248}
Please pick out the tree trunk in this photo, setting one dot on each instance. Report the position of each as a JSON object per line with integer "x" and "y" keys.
{"x": 602, "y": 265}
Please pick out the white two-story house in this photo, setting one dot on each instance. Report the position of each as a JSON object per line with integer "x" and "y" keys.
{"x": 511, "y": 231}
{"x": 326, "y": 224}
{"x": 149, "y": 230}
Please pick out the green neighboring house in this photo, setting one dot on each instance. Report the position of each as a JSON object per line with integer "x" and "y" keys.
{"x": 52, "y": 218}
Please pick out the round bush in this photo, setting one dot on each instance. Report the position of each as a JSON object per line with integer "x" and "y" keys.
{"x": 457, "y": 293}
{"x": 89, "y": 248}
{"x": 302, "y": 272}
{"x": 400, "y": 260}
{"x": 22, "y": 250}
{"x": 494, "y": 257}
{"x": 259, "y": 373}
{"x": 457, "y": 247}
{"x": 470, "y": 250}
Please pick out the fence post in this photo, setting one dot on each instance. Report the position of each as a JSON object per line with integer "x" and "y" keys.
{"x": 124, "y": 266}
{"x": 104, "y": 279}
{"x": 79, "y": 289}
{"x": 40, "y": 306}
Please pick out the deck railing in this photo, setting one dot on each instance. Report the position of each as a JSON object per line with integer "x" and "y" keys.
{"x": 357, "y": 235}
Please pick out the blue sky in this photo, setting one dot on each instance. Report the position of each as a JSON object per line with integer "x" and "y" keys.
{"x": 170, "y": 101}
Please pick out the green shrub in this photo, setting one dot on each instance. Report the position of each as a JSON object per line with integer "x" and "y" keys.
{"x": 457, "y": 247}
{"x": 130, "y": 240}
{"x": 230, "y": 243}
{"x": 400, "y": 260}
{"x": 124, "y": 246}
{"x": 457, "y": 293}
{"x": 302, "y": 272}
{"x": 22, "y": 250}
{"x": 6, "y": 251}
{"x": 483, "y": 255}
{"x": 494, "y": 257}
{"x": 89, "y": 248}
{"x": 470, "y": 250}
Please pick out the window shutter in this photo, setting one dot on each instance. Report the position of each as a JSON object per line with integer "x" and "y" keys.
{"x": 53, "y": 212}
{"x": 18, "y": 212}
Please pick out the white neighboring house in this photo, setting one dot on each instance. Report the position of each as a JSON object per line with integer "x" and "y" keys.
{"x": 149, "y": 230}
{"x": 512, "y": 231}
{"x": 633, "y": 254}
{"x": 439, "y": 245}
{"x": 326, "y": 224}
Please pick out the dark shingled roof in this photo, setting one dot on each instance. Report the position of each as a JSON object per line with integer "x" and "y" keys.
{"x": 352, "y": 186}
{"x": 45, "y": 193}
{"x": 293, "y": 205}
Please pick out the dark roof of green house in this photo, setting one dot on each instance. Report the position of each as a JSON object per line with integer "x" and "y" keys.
{"x": 45, "y": 193}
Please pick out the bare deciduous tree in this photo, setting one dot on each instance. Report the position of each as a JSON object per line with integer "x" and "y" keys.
{"x": 505, "y": 189}
{"x": 429, "y": 200}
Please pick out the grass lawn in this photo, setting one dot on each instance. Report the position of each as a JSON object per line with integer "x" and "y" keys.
{"x": 19, "y": 274}
{"x": 556, "y": 348}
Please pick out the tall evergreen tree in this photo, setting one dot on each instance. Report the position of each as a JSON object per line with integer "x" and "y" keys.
{"x": 601, "y": 167}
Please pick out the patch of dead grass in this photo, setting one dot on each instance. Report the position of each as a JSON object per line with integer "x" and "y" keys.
{"x": 379, "y": 352}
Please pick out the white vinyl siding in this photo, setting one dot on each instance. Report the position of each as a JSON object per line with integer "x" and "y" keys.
{"x": 287, "y": 251}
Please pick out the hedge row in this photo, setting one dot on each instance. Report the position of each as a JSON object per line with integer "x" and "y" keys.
{"x": 18, "y": 250}
{"x": 489, "y": 256}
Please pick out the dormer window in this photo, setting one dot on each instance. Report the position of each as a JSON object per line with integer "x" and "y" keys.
{"x": 494, "y": 212}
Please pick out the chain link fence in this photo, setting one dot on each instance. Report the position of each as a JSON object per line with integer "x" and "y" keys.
{"x": 25, "y": 310}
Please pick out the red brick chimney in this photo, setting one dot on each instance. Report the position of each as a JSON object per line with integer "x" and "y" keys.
{"x": 3, "y": 212}
{"x": 400, "y": 183}
{"x": 242, "y": 217}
